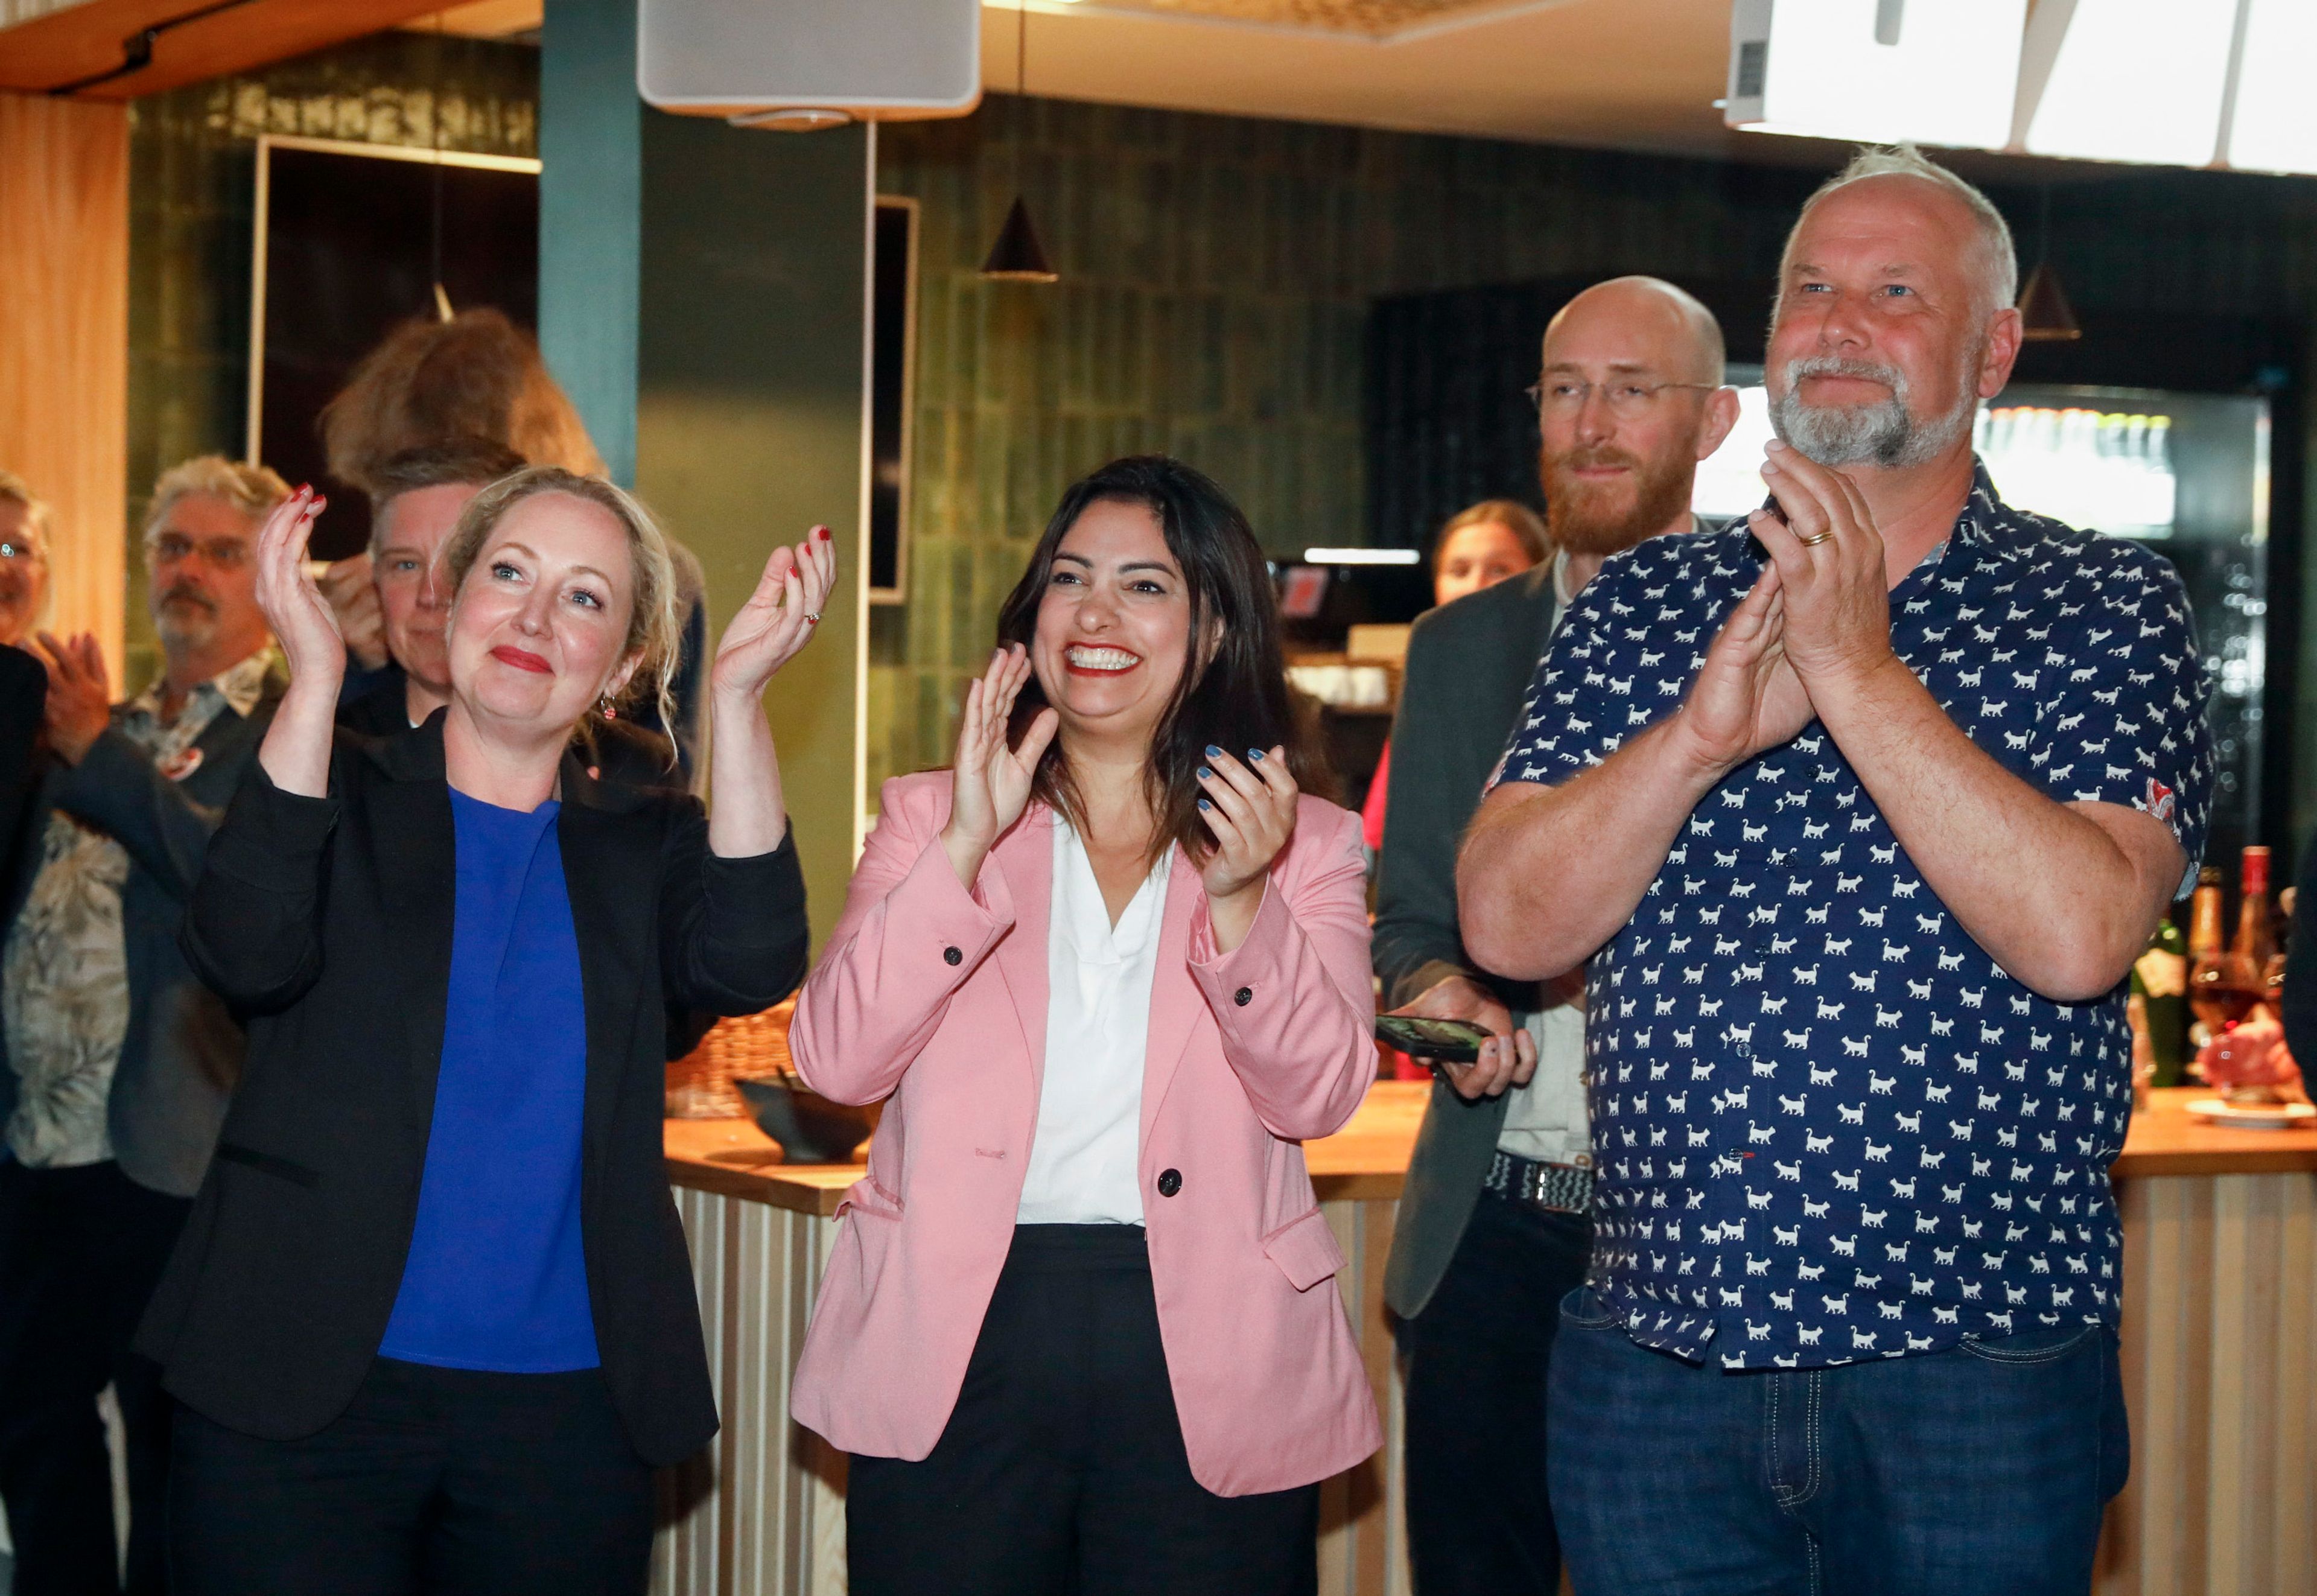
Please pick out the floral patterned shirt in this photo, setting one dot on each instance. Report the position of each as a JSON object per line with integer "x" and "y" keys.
{"x": 64, "y": 971}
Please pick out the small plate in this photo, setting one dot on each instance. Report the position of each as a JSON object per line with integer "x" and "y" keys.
{"x": 2254, "y": 1117}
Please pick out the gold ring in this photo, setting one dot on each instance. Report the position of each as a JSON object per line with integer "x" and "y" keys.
{"x": 1813, "y": 543}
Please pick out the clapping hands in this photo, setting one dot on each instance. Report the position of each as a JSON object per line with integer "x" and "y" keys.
{"x": 991, "y": 781}
{"x": 778, "y": 620}
{"x": 294, "y": 607}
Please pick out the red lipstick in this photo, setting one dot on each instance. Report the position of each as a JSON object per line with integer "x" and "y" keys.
{"x": 521, "y": 659}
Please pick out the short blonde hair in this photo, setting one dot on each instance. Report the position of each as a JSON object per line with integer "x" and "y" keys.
{"x": 15, "y": 490}
{"x": 252, "y": 489}
{"x": 655, "y": 627}
{"x": 1510, "y": 513}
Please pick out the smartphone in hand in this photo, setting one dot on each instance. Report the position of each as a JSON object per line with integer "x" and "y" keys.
{"x": 1453, "y": 1041}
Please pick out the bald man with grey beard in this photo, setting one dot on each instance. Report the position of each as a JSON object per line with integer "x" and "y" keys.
{"x": 1492, "y": 1228}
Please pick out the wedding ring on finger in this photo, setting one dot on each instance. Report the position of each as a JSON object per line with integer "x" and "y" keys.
{"x": 1813, "y": 543}
{"x": 811, "y": 619}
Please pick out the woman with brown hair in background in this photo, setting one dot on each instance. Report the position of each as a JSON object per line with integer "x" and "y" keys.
{"x": 476, "y": 378}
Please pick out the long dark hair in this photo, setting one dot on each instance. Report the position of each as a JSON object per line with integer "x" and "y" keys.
{"x": 1238, "y": 700}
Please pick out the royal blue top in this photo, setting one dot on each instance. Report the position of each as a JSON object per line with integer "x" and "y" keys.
{"x": 496, "y": 1278}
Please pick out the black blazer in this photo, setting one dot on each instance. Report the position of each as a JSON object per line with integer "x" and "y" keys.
{"x": 1469, "y": 668}
{"x": 327, "y": 922}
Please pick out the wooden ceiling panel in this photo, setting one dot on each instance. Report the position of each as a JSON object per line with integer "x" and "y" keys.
{"x": 192, "y": 39}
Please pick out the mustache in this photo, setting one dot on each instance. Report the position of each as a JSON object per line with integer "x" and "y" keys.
{"x": 1836, "y": 366}
{"x": 186, "y": 593}
{"x": 1577, "y": 460}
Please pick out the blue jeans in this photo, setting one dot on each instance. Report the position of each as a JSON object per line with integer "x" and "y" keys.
{"x": 1978, "y": 1471}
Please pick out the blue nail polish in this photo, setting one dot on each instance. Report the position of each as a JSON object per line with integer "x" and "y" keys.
{"x": 1254, "y": 753}
{"x": 1214, "y": 752}
{"x": 1204, "y": 774}
{"x": 1205, "y": 805}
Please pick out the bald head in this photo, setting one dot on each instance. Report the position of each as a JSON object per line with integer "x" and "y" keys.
{"x": 1629, "y": 400}
{"x": 1645, "y": 323}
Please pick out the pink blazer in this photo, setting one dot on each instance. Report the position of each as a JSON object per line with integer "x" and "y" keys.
{"x": 937, "y": 996}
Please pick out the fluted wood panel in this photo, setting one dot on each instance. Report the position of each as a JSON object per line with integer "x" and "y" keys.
{"x": 762, "y": 1512}
{"x": 2220, "y": 1333}
{"x": 2220, "y": 1370}
{"x": 64, "y": 342}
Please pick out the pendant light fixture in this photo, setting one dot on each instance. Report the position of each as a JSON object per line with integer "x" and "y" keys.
{"x": 1017, "y": 256}
{"x": 2045, "y": 316}
{"x": 443, "y": 310}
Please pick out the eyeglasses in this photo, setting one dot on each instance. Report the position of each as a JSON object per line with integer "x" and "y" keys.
{"x": 173, "y": 548}
{"x": 1567, "y": 395}
{"x": 14, "y": 551}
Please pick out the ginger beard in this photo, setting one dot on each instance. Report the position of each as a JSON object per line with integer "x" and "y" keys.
{"x": 1587, "y": 517}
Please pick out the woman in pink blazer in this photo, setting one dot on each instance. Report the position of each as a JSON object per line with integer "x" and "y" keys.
{"x": 1078, "y": 1330}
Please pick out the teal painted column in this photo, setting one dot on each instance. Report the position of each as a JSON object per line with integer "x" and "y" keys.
{"x": 590, "y": 217}
{"x": 727, "y": 269}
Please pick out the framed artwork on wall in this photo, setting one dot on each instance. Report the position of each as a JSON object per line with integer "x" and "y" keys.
{"x": 892, "y": 393}
{"x": 351, "y": 240}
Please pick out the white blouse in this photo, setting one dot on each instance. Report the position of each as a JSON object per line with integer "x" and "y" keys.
{"x": 1083, "y": 1158}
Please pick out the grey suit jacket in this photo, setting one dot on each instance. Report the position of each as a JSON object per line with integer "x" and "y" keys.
{"x": 183, "y": 1050}
{"x": 1469, "y": 667}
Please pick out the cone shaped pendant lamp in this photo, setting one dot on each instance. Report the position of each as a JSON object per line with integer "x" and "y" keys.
{"x": 1017, "y": 256}
{"x": 2045, "y": 316}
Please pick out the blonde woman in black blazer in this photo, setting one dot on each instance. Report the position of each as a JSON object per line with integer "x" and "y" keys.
{"x": 432, "y": 1320}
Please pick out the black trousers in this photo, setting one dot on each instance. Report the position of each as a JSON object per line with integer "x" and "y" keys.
{"x": 450, "y": 1482}
{"x": 1478, "y": 1523}
{"x": 80, "y": 1250}
{"x": 1062, "y": 1472}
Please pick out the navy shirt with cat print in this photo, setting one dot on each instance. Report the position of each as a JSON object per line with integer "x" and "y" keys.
{"x": 1826, "y": 1124}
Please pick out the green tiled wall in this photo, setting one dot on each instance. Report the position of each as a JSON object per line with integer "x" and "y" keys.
{"x": 192, "y": 187}
{"x": 1216, "y": 275}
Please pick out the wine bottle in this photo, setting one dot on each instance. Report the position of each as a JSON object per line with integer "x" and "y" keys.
{"x": 2256, "y": 943}
{"x": 2160, "y": 978}
{"x": 2220, "y": 990}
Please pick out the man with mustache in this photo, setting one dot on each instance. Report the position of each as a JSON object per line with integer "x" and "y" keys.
{"x": 1854, "y": 816}
{"x": 117, "y": 1060}
{"x": 1493, "y": 1230}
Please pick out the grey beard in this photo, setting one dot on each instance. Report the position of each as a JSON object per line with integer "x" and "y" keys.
{"x": 1885, "y": 434}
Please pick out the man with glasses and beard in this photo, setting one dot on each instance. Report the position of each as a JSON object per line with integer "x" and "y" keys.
{"x": 1492, "y": 1229}
{"x": 117, "y": 1060}
{"x": 1855, "y": 817}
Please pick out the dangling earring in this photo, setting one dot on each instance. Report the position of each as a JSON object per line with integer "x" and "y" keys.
{"x": 606, "y": 708}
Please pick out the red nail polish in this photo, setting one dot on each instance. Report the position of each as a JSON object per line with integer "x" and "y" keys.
{"x": 823, "y": 533}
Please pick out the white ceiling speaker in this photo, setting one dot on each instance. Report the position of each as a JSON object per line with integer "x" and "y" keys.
{"x": 798, "y": 64}
{"x": 1879, "y": 71}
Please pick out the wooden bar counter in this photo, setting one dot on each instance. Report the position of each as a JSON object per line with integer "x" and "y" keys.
{"x": 2219, "y": 1361}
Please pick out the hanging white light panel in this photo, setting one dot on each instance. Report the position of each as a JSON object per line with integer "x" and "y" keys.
{"x": 2130, "y": 80}
{"x": 2275, "y": 128}
{"x": 1940, "y": 72}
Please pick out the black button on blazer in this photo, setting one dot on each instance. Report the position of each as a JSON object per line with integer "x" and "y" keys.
{"x": 326, "y": 923}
